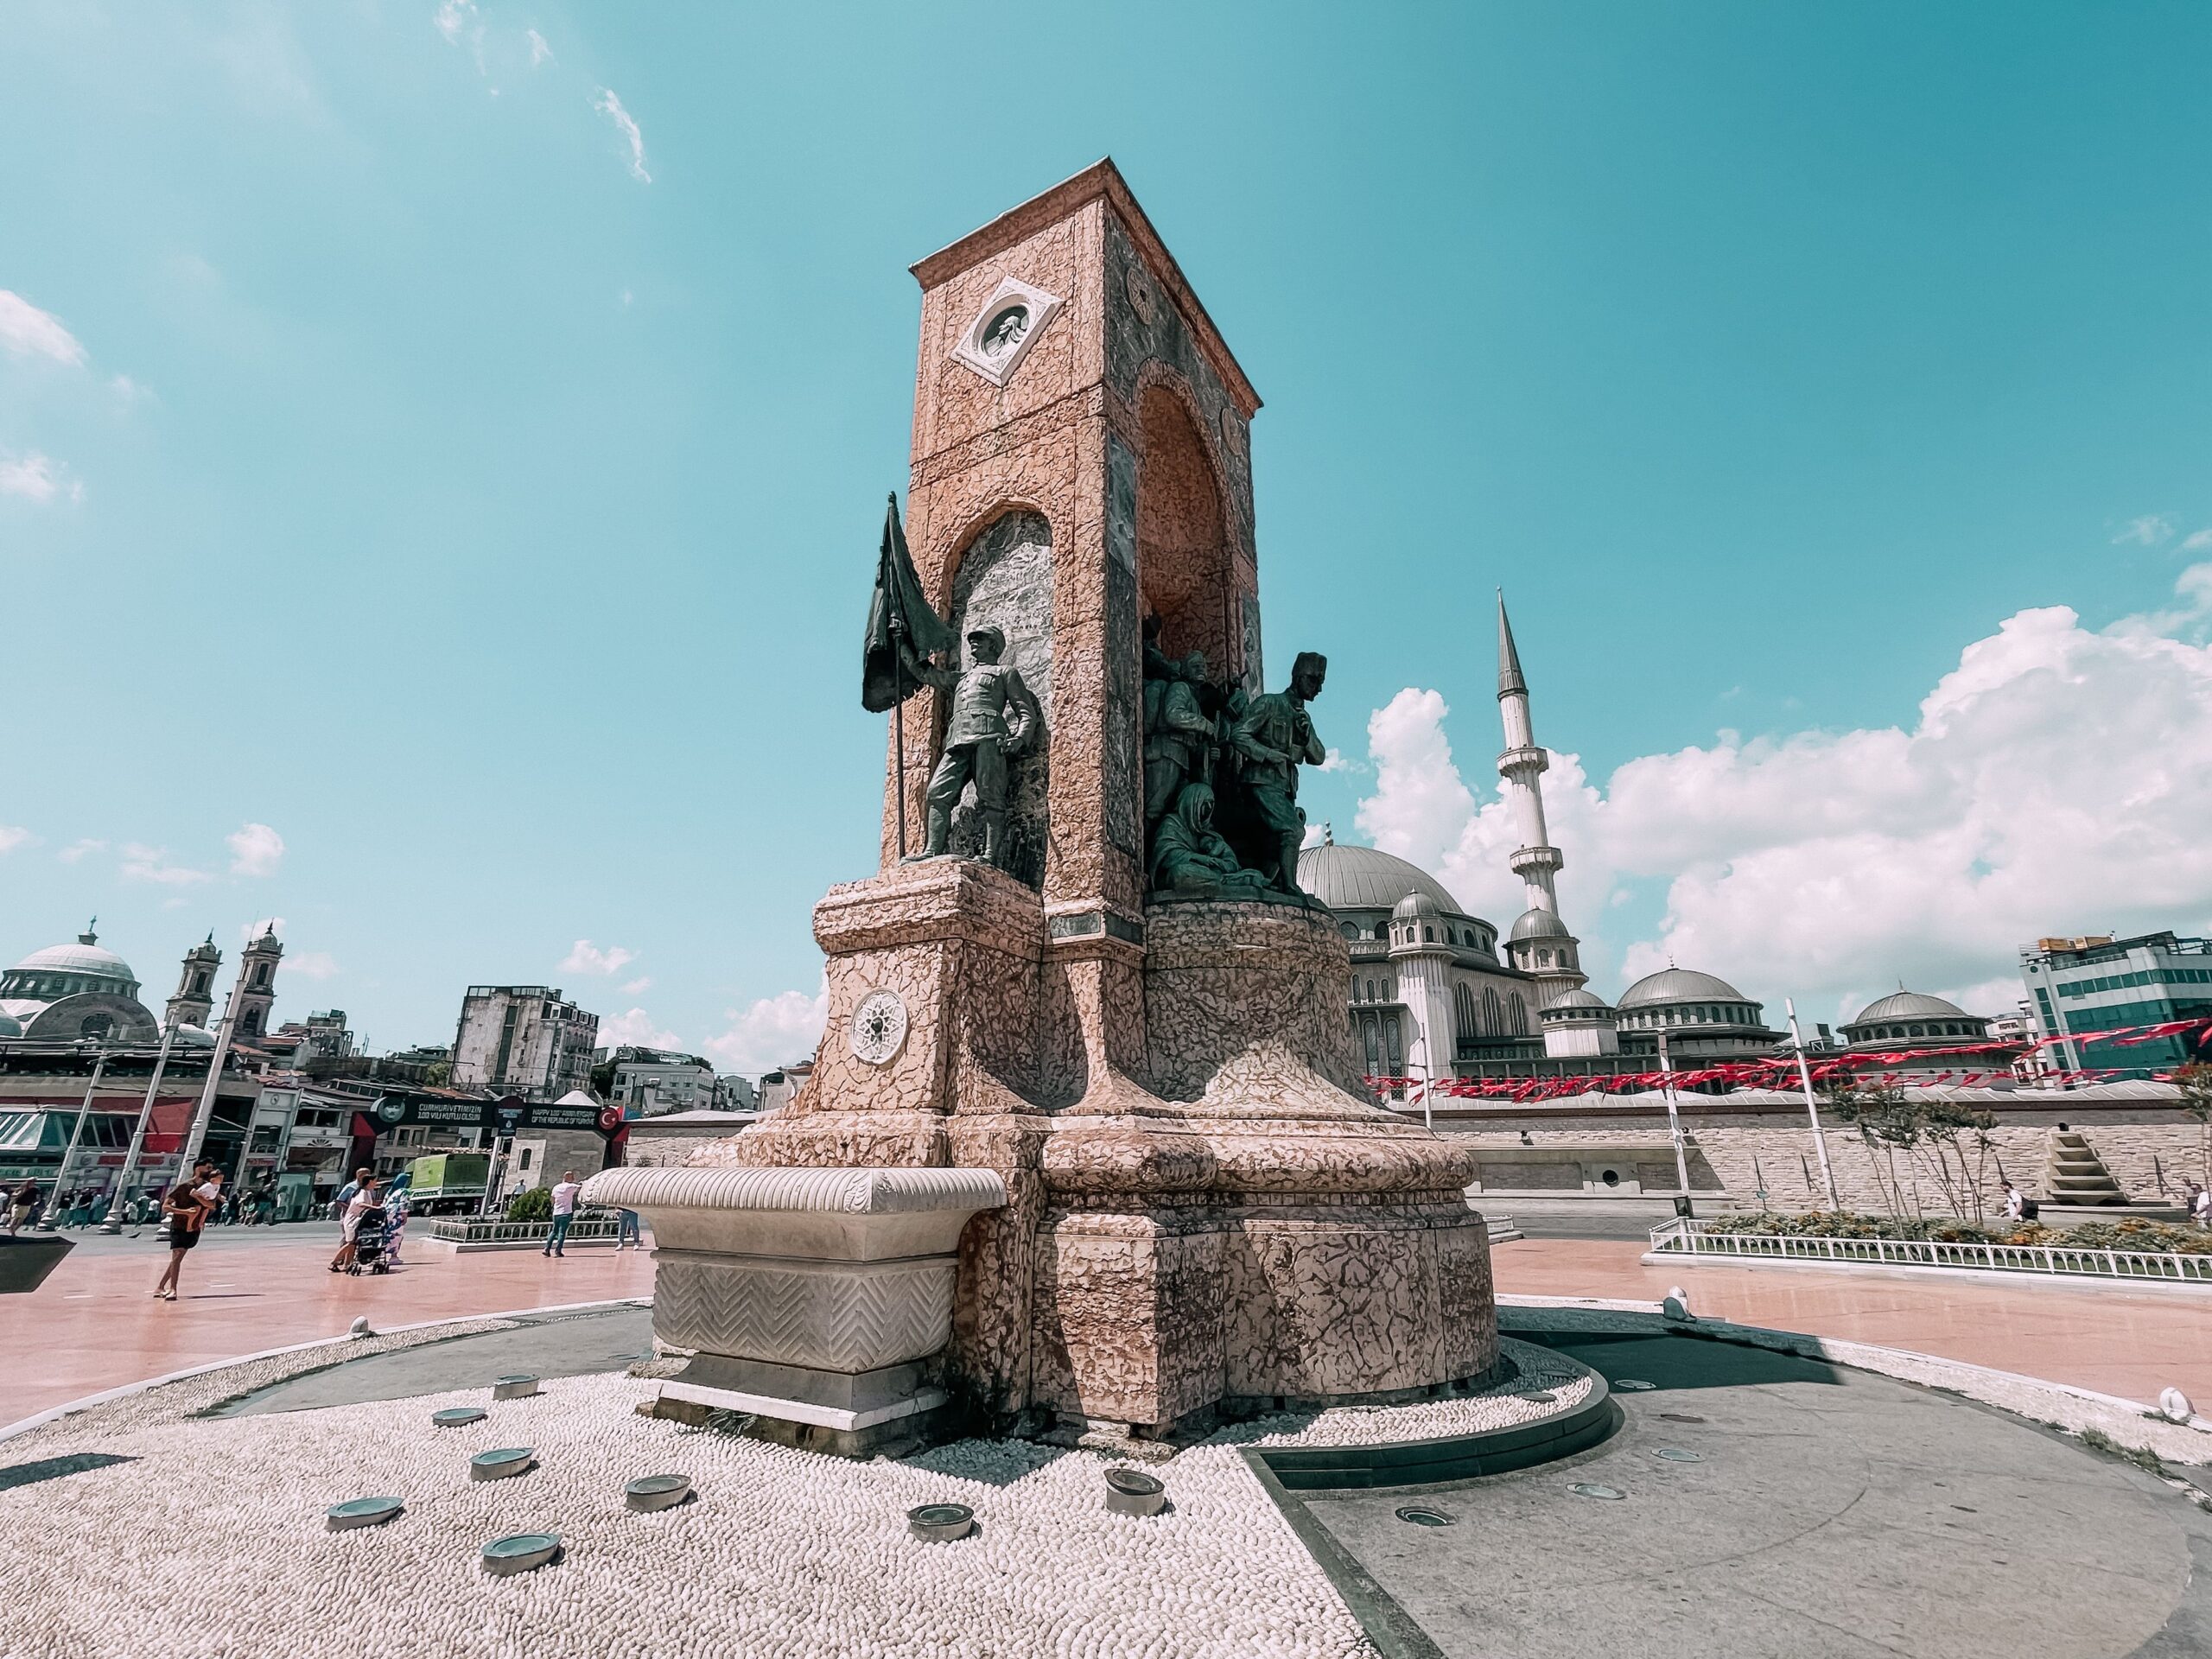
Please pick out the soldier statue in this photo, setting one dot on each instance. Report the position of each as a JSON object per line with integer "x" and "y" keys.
{"x": 994, "y": 717}
{"x": 1273, "y": 739}
{"x": 1178, "y": 738}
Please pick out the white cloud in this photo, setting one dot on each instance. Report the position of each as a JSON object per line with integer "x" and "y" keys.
{"x": 539, "y": 51}
{"x": 638, "y": 987}
{"x": 2056, "y": 781}
{"x": 77, "y": 849}
{"x": 38, "y": 478}
{"x": 589, "y": 959}
{"x": 25, "y": 331}
{"x": 143, "y": 863}
{"x": 635, "y": 1029}
{"x": 611, "y": 106}
{"x": 2197, "y": 541}
{"x": 256, "y": 850}
{"x": 314, "y": 964}
{"x": 12, "y": 836}
{"x": 453, "y": 19}
{"x": 2149, "y": 530}
{"x": 772, "y": 1031}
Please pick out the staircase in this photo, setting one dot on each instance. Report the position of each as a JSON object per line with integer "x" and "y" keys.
{"x": 2073, "y": 1173}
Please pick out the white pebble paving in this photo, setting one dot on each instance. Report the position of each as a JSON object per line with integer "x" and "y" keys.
{"x": 212, "y": 1543}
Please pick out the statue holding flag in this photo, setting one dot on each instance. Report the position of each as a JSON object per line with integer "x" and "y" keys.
{"x": 994, "y": 716}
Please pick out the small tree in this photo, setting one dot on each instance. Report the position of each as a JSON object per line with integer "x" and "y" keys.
{"x": 2195, "y": 1082}
{"x": 1929, "y": 1132}
{"x": 1885, "y": 1122}
{"x": 532, "y": 1204}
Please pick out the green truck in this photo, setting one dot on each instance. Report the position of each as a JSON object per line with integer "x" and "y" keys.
{"x": 447, "y": 1183}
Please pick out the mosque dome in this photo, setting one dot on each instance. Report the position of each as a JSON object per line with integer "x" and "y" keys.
{"x": 1366, "y": 878}
{"x": 1679, "y": 985}
{"x": 1579, "y": 998}
{"x": 83, "y": 958}
{"x": 10, "y": 1025}
{"x": 1909, "y": 1005}
{"x": 1538, "y": 925}
{"x": 1414, "y": 907}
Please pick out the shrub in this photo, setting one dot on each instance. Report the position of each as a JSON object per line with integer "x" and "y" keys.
{"x": 2132, "y": 1234}
{"x": 533, "y": 1204}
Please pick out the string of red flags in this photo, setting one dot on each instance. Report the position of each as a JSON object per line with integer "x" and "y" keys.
{"x": 1781, "y": 1071}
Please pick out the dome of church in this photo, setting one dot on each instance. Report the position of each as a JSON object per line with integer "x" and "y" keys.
{"x": 1679, "y": 985}
{"x": 1538, "y": 925}
{"x": 1909, "y": 1005}
{"x": 83, "y": 958}
{"x": 1366, "y": 878}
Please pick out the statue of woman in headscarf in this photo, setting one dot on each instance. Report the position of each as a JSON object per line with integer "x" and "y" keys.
{"x": 1191, "y": 861}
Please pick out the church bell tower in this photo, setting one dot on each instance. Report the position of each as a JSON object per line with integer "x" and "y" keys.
{"x": 257, "y": 987}
{"x": 195, "y": 987}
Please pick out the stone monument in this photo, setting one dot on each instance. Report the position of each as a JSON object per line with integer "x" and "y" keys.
{"x": 1138, "y": 1112}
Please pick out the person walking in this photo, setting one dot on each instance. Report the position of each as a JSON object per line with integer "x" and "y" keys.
{"x": 22, "y": 1203}
{"x": 364, "y": 1199}
{"x": 626, "y": 1230}
{"x": 2200, "y": 1205}
{"x": 2014, "y": 1202}
{"x": 564, "y": 1212}
{"x": 186, "y": 1206}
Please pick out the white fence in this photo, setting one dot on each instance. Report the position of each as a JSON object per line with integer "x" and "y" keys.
{"x": 1683, "y": 1237}
{"x": 463, "y": 1230}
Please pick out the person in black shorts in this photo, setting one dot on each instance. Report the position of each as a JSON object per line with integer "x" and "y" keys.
{"x": 187, "y": 1205}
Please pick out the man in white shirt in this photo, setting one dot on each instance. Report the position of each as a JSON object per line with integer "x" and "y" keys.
{"x": 564, "y": 1212}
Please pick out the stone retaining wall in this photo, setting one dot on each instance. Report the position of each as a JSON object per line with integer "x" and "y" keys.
{"x": 2152, "y": 1150}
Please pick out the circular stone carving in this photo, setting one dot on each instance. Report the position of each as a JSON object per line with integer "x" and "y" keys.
{"x": 1232, "y": 431}
{"x": 879, "y": 1026}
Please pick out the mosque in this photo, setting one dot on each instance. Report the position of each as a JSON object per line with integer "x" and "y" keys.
{"x": 1431, "y": 995}
{"x": 85, "y": 992}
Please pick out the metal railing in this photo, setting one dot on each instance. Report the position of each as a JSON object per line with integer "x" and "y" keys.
{"x": 1684, "y": 1237}
{"x": 467, "y": 1229}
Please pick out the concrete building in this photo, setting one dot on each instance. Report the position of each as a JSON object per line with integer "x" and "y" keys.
{"x": 736, "y": 1094}
{"x": 2083, "y": 986}
{"x": 777, "y": 1087}
{"x": 651, "y": 1082}
{"x": 522, "y": 1039}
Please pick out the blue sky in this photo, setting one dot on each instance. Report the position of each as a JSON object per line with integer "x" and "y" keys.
{"x": 463, "y": 445}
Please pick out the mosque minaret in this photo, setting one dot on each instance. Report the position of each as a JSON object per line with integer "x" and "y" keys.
{"x": 1539, "y": 945}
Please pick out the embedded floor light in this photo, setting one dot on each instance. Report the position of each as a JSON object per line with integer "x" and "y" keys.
{"x": 657, "y": 1492}
{"x": 520, "y": 1386}
{"x": 938, "y": 1522}
{"x": 1422, "y": 1516}
{"x": 519, "y": 1551}
{"x": 360, "y": 1512}
{"x": 504, "y": 1464}
{"x": 1130, "y": 1491}
{"x": 458, "y": 1417}
{"x": 1594, "y": 1489}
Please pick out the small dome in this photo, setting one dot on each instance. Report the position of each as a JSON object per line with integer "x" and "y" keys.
{"x": 1909, "y": 1005}
{"x": 1365, "y": 878}
{"x": 1538, "y": 925}
{"x": 1578, "y": 998}
{"x": 10, "y": 1025}
{"x": 193, "y": 1037}
{"x": 1679, "y": 985}
{"x": 1416, "y": 906}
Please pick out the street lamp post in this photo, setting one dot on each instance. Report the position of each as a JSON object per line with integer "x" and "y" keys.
{"x": 52, "y": 1219}
{"x": 114, "y": 1222}
{"x": 1812, "y": 1105}
{"x": 1673, "y": 1121}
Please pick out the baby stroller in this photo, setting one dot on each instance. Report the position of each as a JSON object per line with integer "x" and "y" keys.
{"x": 369, "y": 1254}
